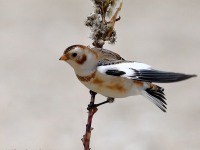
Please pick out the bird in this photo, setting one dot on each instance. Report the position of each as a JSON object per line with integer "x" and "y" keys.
{"x": 107, "y": 73}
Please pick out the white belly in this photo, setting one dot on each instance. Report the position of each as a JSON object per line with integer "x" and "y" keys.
{"x": 112, "y": 86}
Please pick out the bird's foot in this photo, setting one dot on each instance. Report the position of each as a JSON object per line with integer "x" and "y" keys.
{"x": 110, "y": 99}
{"x": 92, "y": 105}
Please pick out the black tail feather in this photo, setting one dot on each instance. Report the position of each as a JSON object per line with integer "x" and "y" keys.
{"x": 157, "y": 96}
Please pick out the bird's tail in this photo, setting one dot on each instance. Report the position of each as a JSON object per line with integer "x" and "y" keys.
{"x": 156, "y": 95}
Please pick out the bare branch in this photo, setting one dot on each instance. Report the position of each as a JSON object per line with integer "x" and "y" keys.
{"x": 87, "y": 136}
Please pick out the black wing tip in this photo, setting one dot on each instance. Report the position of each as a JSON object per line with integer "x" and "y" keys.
{"x": 193, "y": 75}
{"x": 187, "y": 76}
{"x": 163, "y": 77}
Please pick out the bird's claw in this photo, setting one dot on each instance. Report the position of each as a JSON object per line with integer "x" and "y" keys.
{"x": 91, "y": 106}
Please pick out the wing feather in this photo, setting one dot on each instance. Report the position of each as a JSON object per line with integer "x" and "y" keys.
{"x": 139, "y": 71}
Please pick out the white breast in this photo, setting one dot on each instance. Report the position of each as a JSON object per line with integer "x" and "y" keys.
{"x": 112, "y": 86}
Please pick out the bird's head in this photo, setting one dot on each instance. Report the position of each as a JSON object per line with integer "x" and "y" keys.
{"x": 81, "y": 58}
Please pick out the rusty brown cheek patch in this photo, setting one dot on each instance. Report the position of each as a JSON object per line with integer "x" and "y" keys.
{"x": 82, "y": 59}
{"x": 86, "y": 78}
{"x": 116, "y": 87}
{"x": 138, "y": 83}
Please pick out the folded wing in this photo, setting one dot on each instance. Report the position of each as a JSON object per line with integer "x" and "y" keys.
{"x": 140, "y": 71}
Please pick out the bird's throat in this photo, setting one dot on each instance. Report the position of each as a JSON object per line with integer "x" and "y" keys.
{"x": 86, "y": 78}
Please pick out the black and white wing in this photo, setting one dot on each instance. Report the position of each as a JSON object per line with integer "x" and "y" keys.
{"x": 139, "y": 71}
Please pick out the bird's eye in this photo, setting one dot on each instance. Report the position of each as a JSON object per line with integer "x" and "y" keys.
{"x": 74, "y": 54}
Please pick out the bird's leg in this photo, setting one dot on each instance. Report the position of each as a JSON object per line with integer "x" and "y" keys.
{"x": 109, "y": 100}
{"x": 93, "y": 94}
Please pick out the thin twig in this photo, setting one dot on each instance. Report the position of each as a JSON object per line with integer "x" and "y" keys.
{"x": 87, "y": 136}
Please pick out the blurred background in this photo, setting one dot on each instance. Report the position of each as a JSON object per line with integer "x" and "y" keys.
{"x": 43, "y": 105}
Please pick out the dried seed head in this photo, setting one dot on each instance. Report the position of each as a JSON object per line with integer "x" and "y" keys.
{"x": 101, "y": 29}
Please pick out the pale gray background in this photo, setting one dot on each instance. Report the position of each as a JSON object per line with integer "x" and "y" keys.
{"x": 43, "y": 105}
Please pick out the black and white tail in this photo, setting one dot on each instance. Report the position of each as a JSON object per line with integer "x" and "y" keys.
{"x": 156, "y": 95}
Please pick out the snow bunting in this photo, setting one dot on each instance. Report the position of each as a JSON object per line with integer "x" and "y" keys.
{"x": 107, "y": 73}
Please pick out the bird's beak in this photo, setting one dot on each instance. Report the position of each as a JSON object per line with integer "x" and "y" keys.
{"x": 63, "y": 57}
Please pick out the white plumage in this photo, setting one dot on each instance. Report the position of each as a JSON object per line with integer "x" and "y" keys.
{"x": 105, "y": 72}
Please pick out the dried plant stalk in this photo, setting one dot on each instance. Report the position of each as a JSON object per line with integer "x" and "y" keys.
{"x": 102, "y": 31}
